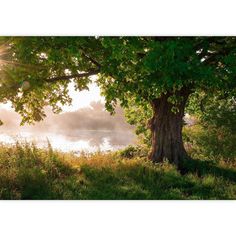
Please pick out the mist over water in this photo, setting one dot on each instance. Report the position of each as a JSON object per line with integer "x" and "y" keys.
{"x": 87, "y": 129}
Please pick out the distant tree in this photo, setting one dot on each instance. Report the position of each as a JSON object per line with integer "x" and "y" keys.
{"x": 160, "y": 71}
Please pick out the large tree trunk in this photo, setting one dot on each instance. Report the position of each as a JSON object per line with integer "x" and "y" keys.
{"x": 166, "y": 127}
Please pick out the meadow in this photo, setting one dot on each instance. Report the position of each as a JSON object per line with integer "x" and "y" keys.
{"x": 28, "y": 172}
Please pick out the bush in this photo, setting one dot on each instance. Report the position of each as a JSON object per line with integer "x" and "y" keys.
{"x": 134, "y": 151}
{"x": 210, "y": 143}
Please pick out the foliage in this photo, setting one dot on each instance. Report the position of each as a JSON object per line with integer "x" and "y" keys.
{"x": 134, "y": 151}
{"x": 27, "y": 172}
{"x": 214, "y": 136}
{"x": 210, "y": 143}
{"x": 35, "y": 60}
{"x": 138, "y": 114}
{"x": 137, "y": 68}
{"x": 221, "y": 113}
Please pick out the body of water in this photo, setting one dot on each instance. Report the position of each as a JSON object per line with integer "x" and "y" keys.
{"x": 81, "y": 140}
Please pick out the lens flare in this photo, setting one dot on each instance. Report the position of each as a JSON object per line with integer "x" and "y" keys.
{"x": 4, "y": 54}
{"x": 7, "y": 59}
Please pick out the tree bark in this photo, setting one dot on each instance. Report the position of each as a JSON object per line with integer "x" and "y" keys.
{"x": 166, "y": 127}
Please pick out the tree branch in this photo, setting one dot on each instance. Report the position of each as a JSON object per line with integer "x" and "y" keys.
{"x": 90, "y": 58}
{"x": 74, "y": 76}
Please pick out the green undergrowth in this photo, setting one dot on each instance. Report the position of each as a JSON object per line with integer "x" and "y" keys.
{"x": 27, "y": 172}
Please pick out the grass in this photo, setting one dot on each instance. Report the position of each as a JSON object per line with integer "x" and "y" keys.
{"x": 27, "y": 172}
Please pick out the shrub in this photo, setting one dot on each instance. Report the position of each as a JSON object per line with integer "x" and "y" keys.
{"x": 134, "y": 151}
{"x": 210, "y": 143}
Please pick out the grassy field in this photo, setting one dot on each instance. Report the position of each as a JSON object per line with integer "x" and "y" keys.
{"x": 27, "y": 172}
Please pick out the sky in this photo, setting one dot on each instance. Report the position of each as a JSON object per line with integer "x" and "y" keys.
{"x": 83, "y": 98}
{"x": 83, "y": 126}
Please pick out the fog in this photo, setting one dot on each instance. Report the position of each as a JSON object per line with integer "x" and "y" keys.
{"x": 89, "y": 128}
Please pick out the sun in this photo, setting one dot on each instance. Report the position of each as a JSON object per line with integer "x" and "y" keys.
{"x": 3, "y": 52}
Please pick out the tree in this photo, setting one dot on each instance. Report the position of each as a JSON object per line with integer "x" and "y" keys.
{"x": 160, "y": 71}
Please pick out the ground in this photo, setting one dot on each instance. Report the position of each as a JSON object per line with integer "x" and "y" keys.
{"x": 27, "y": 172}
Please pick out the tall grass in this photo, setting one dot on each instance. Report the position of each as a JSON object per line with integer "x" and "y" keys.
{"x": 27, "y": 172}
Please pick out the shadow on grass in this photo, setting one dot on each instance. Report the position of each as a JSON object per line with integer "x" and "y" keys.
{"x": 202, "y": 168}
{"x": 139, "y": 181}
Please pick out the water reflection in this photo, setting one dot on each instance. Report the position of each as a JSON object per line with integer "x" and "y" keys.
{"x": 88, "y": 129}
{"x": 85, "y": 140}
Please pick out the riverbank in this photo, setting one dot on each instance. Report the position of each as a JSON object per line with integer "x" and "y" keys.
{"x": 27, "y": 172}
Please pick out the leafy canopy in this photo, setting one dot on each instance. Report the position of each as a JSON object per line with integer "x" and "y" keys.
{"x": 35, "y": 71}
